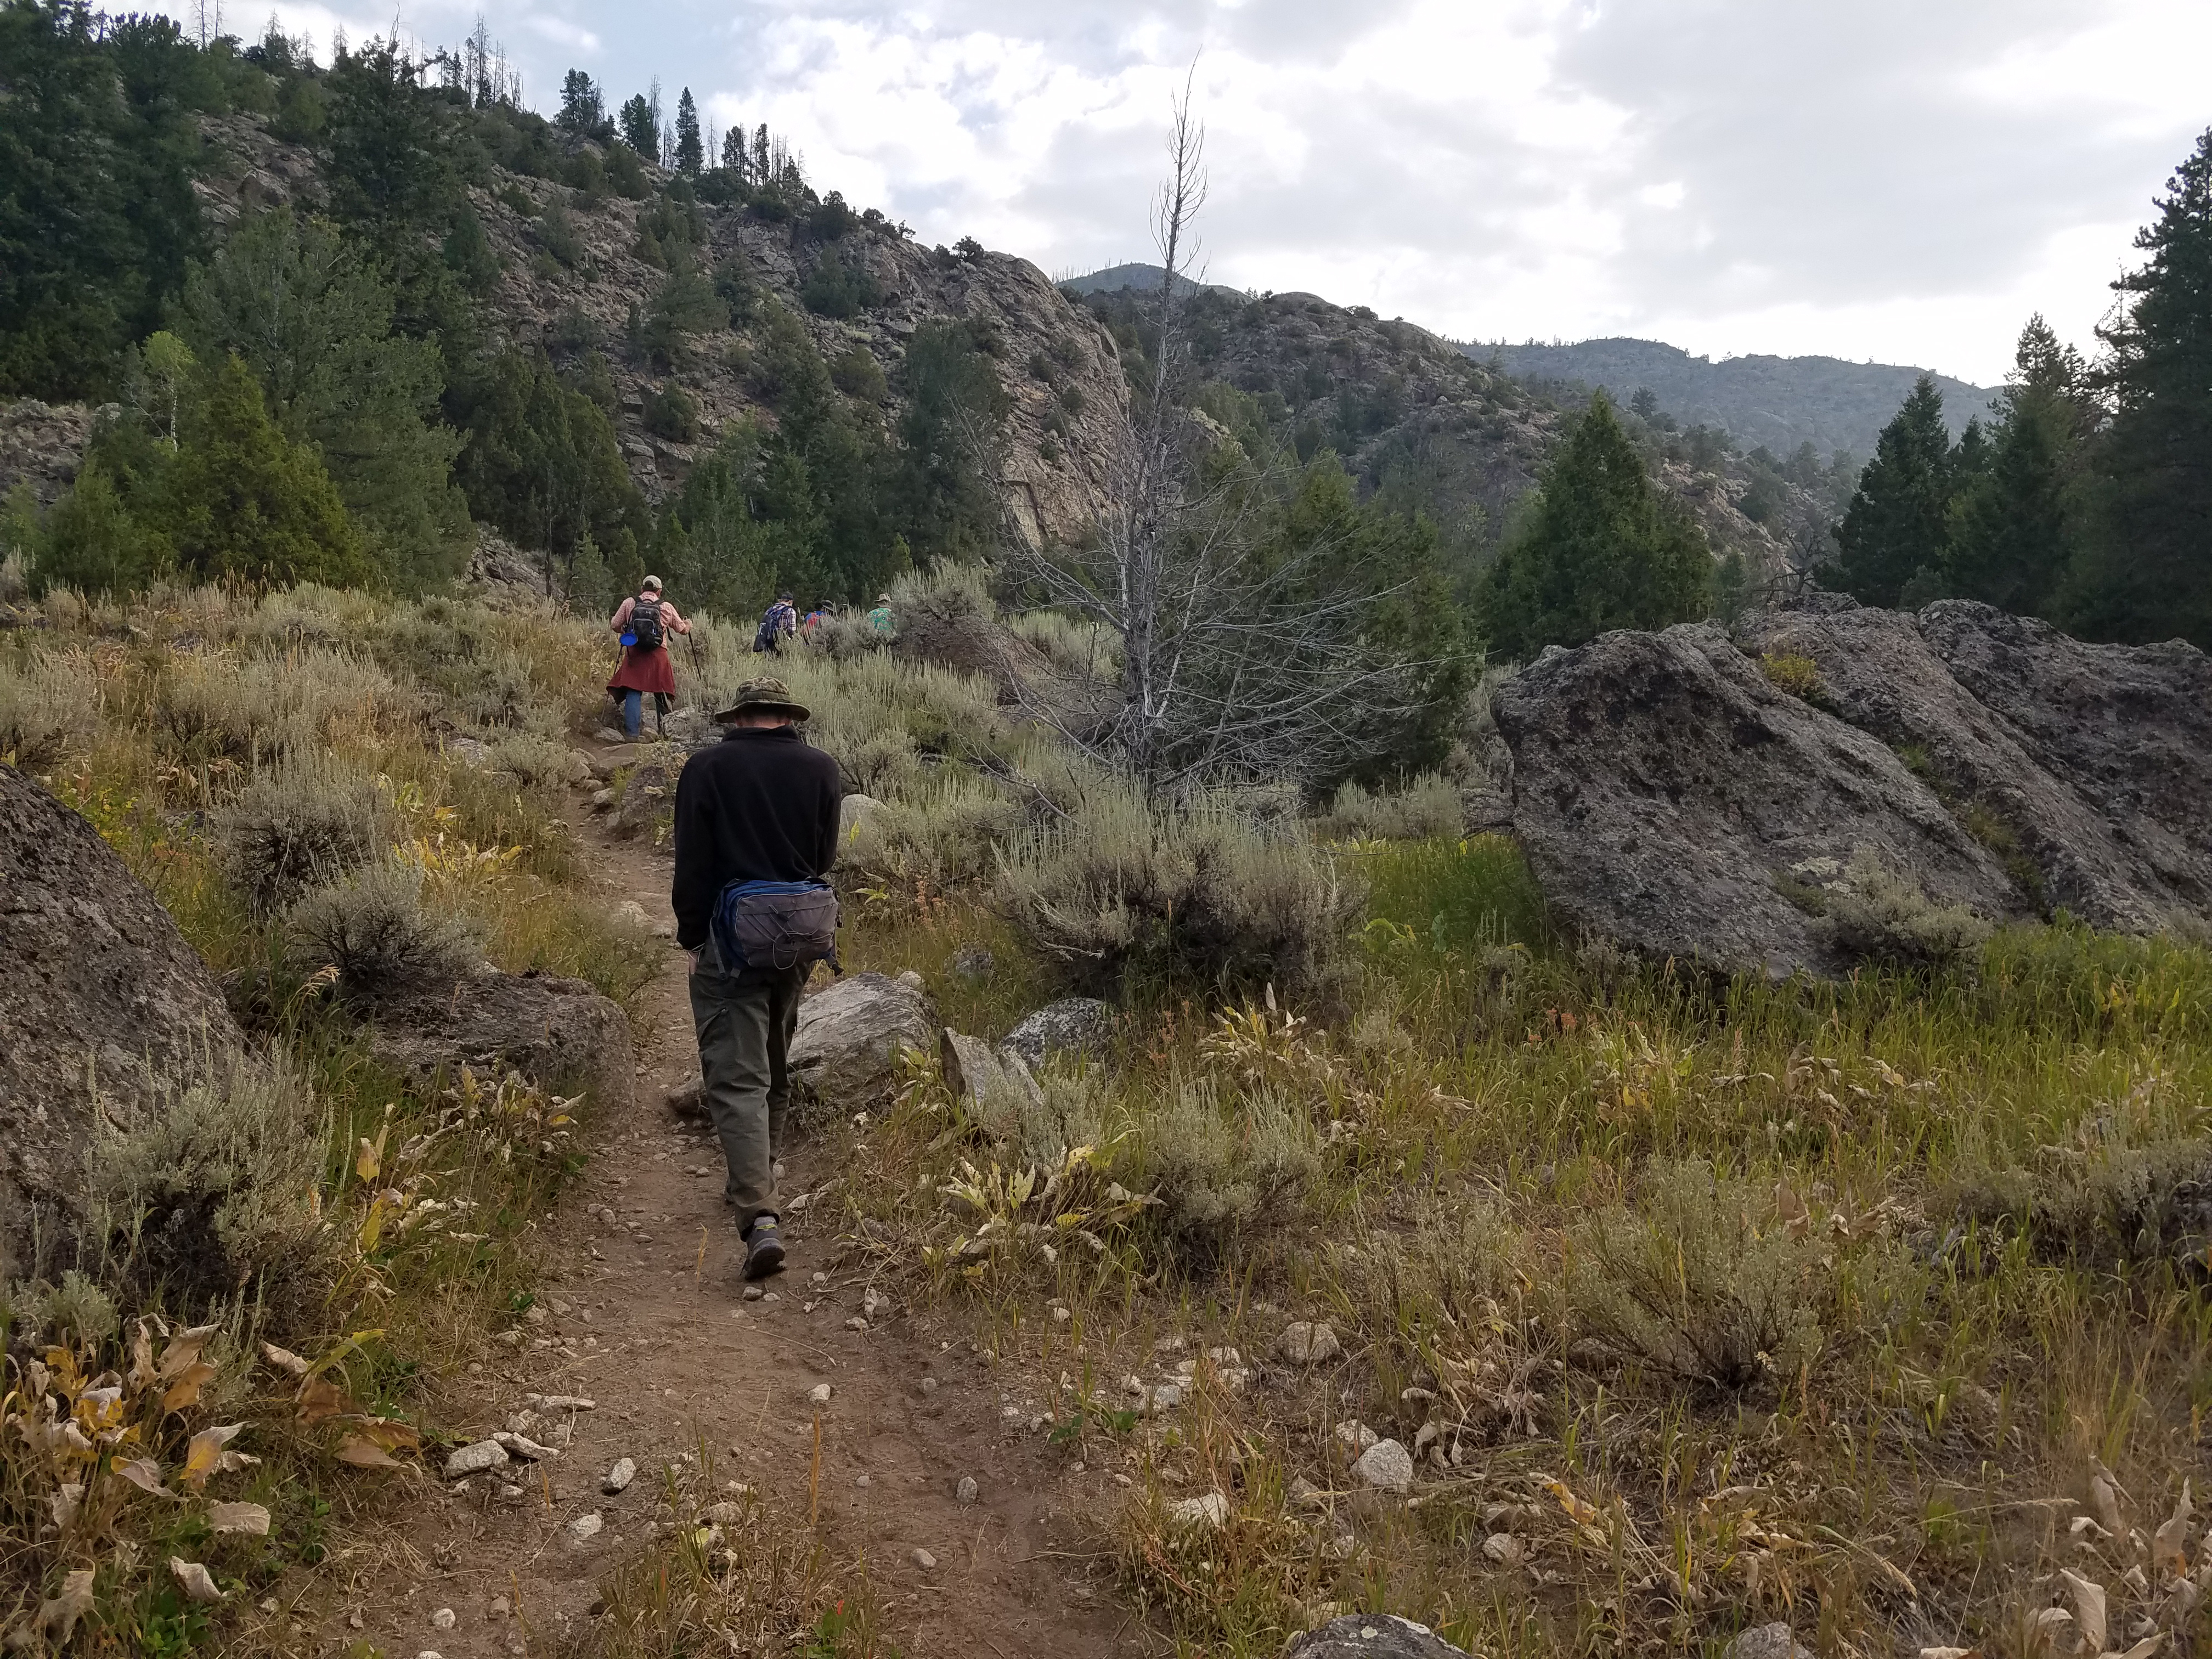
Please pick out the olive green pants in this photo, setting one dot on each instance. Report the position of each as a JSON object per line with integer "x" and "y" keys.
{"x": 745, "y": 1023}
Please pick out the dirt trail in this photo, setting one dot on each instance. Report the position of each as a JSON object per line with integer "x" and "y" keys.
{"x": 643, "y": 1321}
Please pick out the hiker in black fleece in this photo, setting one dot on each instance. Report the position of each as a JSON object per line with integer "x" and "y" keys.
{"x": 760, "y": 806}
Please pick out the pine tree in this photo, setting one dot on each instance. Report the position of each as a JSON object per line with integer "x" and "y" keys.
{"x": 1894, "y": 528}
{"x": 583, "y": 110}
{"x": 2149, "y": 575}
{"x": 2015, "y": 523}
{"x": 690, "y": 155}
{"x": 1603, "y": 551}
{"x": 735, "y": 158}
{"x": 241, "y": 500}
{"x": 640, "y": 129}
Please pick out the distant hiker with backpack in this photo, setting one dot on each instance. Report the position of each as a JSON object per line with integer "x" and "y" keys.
{"x": 778, "y": 623}
{"x": 879, "y": 619}
{"x": 756, "y": 836}
{"x": 643, "y": 624}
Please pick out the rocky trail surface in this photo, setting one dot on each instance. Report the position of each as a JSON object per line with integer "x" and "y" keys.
{"x": 931, "y": 1481}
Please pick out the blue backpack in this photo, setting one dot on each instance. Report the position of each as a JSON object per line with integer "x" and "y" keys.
{"x": 775, "y": 926}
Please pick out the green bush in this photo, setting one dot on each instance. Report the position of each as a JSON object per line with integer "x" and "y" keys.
{"x": 302, "y": 824}
{"x": 373, "y": 928}
{"x": 1703, "y": 1277}
{"x": 1790, "y": 671}
{"x": 672, "y": 413}
{"x": 1185, "y": 895}
{"x": 1874, "y": 914}
{"x": 210, "y": 1197}
{"x": 1223, "y": 1172}
{"x": 1426, "y": 809}
{"x": 857, "y": 374}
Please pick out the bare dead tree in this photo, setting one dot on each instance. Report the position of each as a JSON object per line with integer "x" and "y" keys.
{"x": 1242, "y": 657}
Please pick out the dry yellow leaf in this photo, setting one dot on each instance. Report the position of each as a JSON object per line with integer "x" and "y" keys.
{"x": 58, "y": 1616}
{"x": 2169, "y": 1556}
{"x": 322, "y": 1400}
{"x": 184, "y": 1351}
{"x": 392, "y": 1434}
{"x": 363, "y": 1453}
{"x": 2088, "y": 1609}
{"x": 144, "y": 1473}
{"x": 195, "y": 1582}
{"x": 239, "y": 1517}
{"x": 206, "y": 1452}
{"x": 185, "y": 1390}
{"x": 284, "y": 1359}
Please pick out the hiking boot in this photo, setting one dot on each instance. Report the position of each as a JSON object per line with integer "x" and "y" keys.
{"x": 764, "y": 1250}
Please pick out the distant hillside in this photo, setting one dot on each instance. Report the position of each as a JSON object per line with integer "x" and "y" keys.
{"x": 1778, "y": 402}
{"x": 1144, "y": 278}
{"x": 1417, "y": 421}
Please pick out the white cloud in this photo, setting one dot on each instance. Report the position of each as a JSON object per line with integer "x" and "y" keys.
{"x": 1888, "y": 178}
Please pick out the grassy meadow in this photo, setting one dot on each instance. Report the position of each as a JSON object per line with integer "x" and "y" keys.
{"x": 1877, "y": 1306}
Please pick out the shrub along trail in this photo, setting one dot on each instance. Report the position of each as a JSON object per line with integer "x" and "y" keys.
{"x": 707, "y": 1393}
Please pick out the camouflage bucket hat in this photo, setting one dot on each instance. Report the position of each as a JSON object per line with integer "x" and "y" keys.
{"x": 762, "y": 697}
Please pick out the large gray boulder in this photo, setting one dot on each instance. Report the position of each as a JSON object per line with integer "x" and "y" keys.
{"x": 1073, "y": 1025}
{"x": 1371, "y": 1636}
{"x": 1671, "y": 799}
{"x": 101, "y": 1001}
{"x": 2129, "y": 728}
{"x": 845, "y": 1051}
{"x": 559, "y": 1033}
{"x": 2086, "y": 769}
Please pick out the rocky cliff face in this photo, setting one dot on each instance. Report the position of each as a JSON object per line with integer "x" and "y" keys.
{"x": 1058, "y": 366}
{"x": 1673, "y": 797}
{"x": 41, "y": 446}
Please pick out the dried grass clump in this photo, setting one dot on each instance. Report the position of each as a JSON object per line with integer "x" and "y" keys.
{"x": 948, "y": 835}
{"x": 1874, "y": 914}
{"x": 49, "y": 707}
{"x": 1426, "y": 809}
{"x": 1073, "y": 647}
{"x": 275, "y": 705}
{"x": 536, "y": 763}
{"x": 1181, "y": 895}
{"x": 1222, "y": 1171}
{"x": 2105, "y": 1204}
{"x": 374, "y": 929}
{"x": 1704, "y": 1277}
{"x": 212, "y": 1193}
{"x": 302, "y": 824}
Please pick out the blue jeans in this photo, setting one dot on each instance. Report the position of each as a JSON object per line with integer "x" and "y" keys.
{"x": 633, "y": 713}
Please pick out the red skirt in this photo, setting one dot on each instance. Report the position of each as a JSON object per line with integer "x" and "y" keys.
{"x": 645, "y": 670}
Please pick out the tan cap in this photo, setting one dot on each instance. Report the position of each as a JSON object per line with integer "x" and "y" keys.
{"x": 762, "y": 697}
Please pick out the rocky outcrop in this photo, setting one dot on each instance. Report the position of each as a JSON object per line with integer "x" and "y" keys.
{"x": 1674, "y": 797}
{"x": 2086, "y": 768}
{"x": 42, "y": 445}
{"x": 560, "y": 1034}
{"x": 1671, "y": 799}
{"x": 103, "y": 1007}
{"x": 845, "y": 1052}
{"x": 981, "y": 1076}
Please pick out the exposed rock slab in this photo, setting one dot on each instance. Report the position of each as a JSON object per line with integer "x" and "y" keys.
{"x": 1668, "y": 795}
{"x": 1371, "y": 1636}
{"x": 1072, "y": 1026}
{"x": 42, "y": 445}
{"x": 846, "y": 1049}
{"x": 2085, "y": 768}
{"x": 559, "y": 1033}
{"x": 100, "y": 998}
{"x": 980, "y": 1076}
{"x": 2128, "y": 727}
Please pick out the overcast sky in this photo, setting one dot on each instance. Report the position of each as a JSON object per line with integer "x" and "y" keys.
{"x": 1897, "y": 179}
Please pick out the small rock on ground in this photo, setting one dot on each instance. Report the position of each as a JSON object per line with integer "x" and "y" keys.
{"x": 819, "y": 1393}
{"x": 1307, "y": 1342}
{"x": 585, "y": 1527}
{"x": 473, "y": 1459}
{"x": 1774, "y": 1641}
{"x": 925, "y": 1561}
{"x": 1371, "y": 1636}
{"x": 1209, "y": 1510}
{"x": 965, "y": 1492}
{"x": 619, "y": 1477}
{"x": 1388, "y": 1467}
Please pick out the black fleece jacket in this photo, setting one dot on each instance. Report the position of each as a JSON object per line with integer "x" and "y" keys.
{"x": 760, "y": 806}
